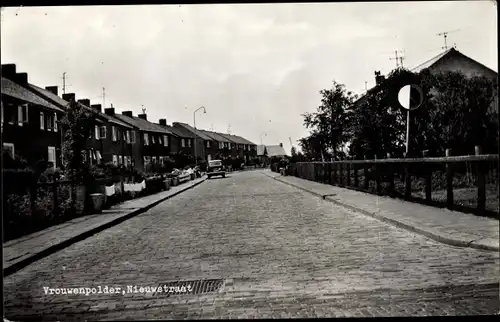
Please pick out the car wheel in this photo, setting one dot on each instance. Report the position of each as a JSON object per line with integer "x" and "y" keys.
{"x": 208, "y": 177}
{"x": 223, "y": 175}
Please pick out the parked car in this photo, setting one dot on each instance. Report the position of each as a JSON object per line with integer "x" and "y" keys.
{"x": 216, "y": 168}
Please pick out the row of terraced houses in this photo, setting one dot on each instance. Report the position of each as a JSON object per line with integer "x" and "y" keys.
{"x": 30, "y": 130}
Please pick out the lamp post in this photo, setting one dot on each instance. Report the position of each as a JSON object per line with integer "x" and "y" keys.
{"x": 195, "y": 134}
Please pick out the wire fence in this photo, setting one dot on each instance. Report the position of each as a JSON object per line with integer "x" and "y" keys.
{"x": 464, "y": 183}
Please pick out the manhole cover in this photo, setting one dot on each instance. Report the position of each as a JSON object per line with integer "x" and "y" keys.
{"x": 189, "y": 287}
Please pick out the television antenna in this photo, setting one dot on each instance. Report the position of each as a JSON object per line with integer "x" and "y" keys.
{"x": 445, "y": 36}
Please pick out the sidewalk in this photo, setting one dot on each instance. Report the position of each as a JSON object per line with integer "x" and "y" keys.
{"x": 449, "y": 227}
{"x": 19, "y": 253}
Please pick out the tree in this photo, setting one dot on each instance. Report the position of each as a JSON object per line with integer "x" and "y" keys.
{"x": 77, "y": 125}
{"x": 329, "y": 123}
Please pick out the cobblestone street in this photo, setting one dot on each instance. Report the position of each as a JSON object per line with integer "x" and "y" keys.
{"x": 280, "y": 251}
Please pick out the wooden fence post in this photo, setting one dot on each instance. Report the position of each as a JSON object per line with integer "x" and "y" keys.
{"x": 341, "y": 173}
{"x": 407, "y": 179}
{"x": 391, "y": 176}
{"x": 428, "y": 179}
{"x": 355, "y": 168}
{"x": 378, "y": 174}
{"x": 329, "y": 173}
{"x": 481, "y": 183}
{"x": 449, "y": 181}
{"x": 366, "y": 184}
{"x": 348, "y": 174}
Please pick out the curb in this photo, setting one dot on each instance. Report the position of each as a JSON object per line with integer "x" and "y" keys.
{"x": 427, "y": 233}
{"x": 68, "y": 242}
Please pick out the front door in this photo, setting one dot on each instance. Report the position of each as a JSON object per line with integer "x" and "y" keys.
{"x": 52, "y": 156}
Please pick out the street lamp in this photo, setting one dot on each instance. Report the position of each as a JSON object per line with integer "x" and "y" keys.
{"x": 194, "y": 122}
{"x": 262, "y": 134}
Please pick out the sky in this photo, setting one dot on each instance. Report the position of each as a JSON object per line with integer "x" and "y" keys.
{"x": 255, "y": 67}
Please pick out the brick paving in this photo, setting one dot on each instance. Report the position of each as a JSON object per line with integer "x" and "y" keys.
{"x": 281, "y": 252}
{"x": 452, "y": 226}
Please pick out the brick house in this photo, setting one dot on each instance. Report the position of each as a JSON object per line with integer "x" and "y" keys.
{"x": 203, "y": 142}
{"x": 250, "y": 149}
{"x": 182, "y": 140}
{"x": 237, "y": 146}
{"x": 221, "y": 149}
{"x": 30, "y": 128}
{"x": 154, "y": 140}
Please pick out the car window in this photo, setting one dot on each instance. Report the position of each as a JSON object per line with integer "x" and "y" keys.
{"x": 215, "y": 163}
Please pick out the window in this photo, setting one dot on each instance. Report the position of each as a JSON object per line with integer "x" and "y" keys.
{"x": 129, "y": 160}
{"x": 153, "y": 139}
{"x": 161, "y": 160}
{"x": 165, "y": 140}
{"x": 146, "y": 139}
{"x": 114, "y": 133}
{"x": 183, "y": 143}
{"x": 120, "y": 159}
{"x": 97, "y": 132}
{"x": 9, "y": 147}
{"x": 160, "y": 140}
{"x": 42, "y": 121}
{"x": 154, "y": 160}
{"x": 189, "y": 143}
{"x": 147, "y": 160}
{"x": 132, "y": 136}
{"x": 221, "y": 145}
{"x": 208, "y": 144}
{"x": 22, "y": 114}
{"x": 103, "y": 131}
{"x": 50, "y": 122}
{"x": 55, "y": 122}
{"x": 52, "y": 156}
{"x": 98, "y": 156}
{"x": 115, "y": 159}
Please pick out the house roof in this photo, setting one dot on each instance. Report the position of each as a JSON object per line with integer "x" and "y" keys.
{"x": 245, "y": 140}
{"x": 17, "y": 91}
{"x": 180, "y": 132}
{"x": 233, "y": 138}
{"x": 195, "y": 131}
{"x": 63, "y": 103}
{"x": 430, "y": 63}
{"x": 275, "y": 151}
{"x": 142, "y": 124}
{"x": 215, "y": 136}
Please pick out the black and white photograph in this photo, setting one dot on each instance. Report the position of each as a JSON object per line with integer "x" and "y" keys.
{"x": 250, "y": 160}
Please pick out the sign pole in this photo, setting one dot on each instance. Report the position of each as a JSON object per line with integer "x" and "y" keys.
{"x": 407, "y": 132}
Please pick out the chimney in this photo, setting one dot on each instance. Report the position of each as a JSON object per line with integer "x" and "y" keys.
{"x": 281, "y": 144}
{"x": 52, "y": 89}
{"x": 109, "y": 111}
{"x": 143, "y": 116}
{"x": 85, "y": 102}
{"x": 378, "y": 78}
{"x": 9, "y": 71}
{"x": 127, "y": 113}
{"x": 21, "y": 78}
{"x": 96, "y": 107}
{"x": 70, "y": 97}
{"x": 163, "y": 122}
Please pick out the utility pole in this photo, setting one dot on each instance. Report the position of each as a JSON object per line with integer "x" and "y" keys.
{"x": 445, "y": 36}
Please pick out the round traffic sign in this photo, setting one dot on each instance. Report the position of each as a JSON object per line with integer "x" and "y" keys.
{"x": 411, "y": 96}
